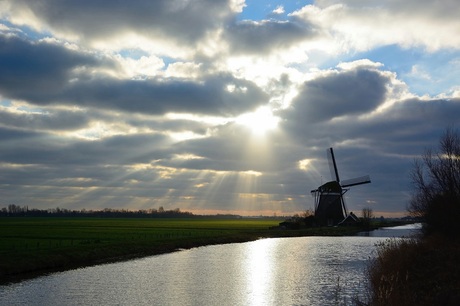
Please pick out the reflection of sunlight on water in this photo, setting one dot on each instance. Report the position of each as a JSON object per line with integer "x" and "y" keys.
{"x": 259, "y": 266}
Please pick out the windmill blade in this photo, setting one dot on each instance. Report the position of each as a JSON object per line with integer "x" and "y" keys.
{"x": 344, "y": 204}
{"x": 356, "y": 181}
{"x": 332, "y": 165}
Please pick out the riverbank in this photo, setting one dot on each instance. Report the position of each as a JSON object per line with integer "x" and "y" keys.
{"x": 416, "y": 272}
{"x": 31, "y": 247}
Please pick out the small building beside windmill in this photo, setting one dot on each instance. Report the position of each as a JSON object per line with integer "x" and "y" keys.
{"x": 350, "y": 220}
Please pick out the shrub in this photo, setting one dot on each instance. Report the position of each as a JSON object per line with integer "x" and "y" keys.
{"x": 415, "y": 272}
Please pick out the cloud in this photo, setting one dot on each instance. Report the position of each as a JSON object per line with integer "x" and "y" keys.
{"x": 43, "y": 67}
{"x": 58, "y": 120}
{"x": 279, "y": 10}
{"x": 182, "y": 22}
{"x": 55, "y": 74}
{"x": 367, "y": 108}
{"x": 338, "y": 94}
{"x": 27, "y": 147}
{"x": 362, "y": 25}
{"x": 162, "y": 96}
{"x": 252, "y": 37}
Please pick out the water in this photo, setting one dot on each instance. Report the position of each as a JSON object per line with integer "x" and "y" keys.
{"x": 277, "y": 271}
{"x": 396, "y": 231}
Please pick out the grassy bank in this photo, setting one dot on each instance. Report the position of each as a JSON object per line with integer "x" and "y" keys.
{"x": 33, "y": 246}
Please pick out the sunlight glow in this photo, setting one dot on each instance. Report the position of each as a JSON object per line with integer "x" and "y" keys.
{"x": 98, "y": 130}
{"x": 304, "y": 163}
{"x": 260, "y": 121}
{"x": 187, "y": 156}
{"x": 251, "y": 172}
{"x": 187, "y": 135}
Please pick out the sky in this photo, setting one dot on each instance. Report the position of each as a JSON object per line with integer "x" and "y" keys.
{"x": 221, "y": 106}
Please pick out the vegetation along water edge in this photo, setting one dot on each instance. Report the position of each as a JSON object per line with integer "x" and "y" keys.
{"x": 425, "y": 271}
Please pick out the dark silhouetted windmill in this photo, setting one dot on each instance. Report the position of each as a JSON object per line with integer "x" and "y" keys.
{"x": 330, "y": 207}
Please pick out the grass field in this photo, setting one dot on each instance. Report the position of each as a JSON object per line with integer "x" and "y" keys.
{"x": 43, "y": 244}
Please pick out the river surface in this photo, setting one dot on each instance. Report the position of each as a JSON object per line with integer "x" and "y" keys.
{"x": 275, "y": 271}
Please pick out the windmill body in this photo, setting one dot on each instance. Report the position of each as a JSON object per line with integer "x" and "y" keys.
{"x": 330, "y": 206}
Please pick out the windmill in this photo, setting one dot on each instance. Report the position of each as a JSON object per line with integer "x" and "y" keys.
{"x": 330, "y": 207}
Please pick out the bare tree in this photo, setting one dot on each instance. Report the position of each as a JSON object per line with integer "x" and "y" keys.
{"x": 367, "y": 215}
{"x": 308, "y": 213}
{"x": 436, "y": 180}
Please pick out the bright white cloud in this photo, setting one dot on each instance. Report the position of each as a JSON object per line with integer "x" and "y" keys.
{"x": 184, "y": 70}
{"x": 362, "y": 25}
{"x": 279, "y": 10}
{"x": 146, "y": 66}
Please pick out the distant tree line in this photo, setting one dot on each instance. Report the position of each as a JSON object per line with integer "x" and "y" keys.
{"x": 13, "y": 210}
{"x": 25, "y": 211}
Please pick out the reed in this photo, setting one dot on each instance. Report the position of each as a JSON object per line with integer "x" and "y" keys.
{"x": 415, "y": 272}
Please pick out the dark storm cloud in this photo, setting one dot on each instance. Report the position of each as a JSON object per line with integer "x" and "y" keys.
{"x": 25, "y": 147}
{"x": 399, "y": 132}
{"x": 411, "y": 121}
{"x": 338, "y": 94}
{"x": 184, "y": 21}
{"x": 55, "y": 120}
{"x": 162, "y": 124}
{"x": 210, "y": 96}
{"x": 17, "y": 136}
{"x": 44, "y": 73}
{"x": 28, "y": 147}
{"x": 119, "y": 149}
{"x": 29, "y": 69}
{"x": 402, "y": 129}
{"x": 266, "y": 36}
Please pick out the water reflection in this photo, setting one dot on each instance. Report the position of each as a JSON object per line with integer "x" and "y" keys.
{"x": 408, "y": 230}
{"x": 259, "y": 267}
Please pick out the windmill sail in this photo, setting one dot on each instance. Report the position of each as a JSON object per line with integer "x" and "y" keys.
{"x": 332, "y": 165}
{"x": 356, "y": 181}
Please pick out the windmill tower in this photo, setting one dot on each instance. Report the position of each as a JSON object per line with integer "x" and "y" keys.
{"x": 330, "y": 206}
